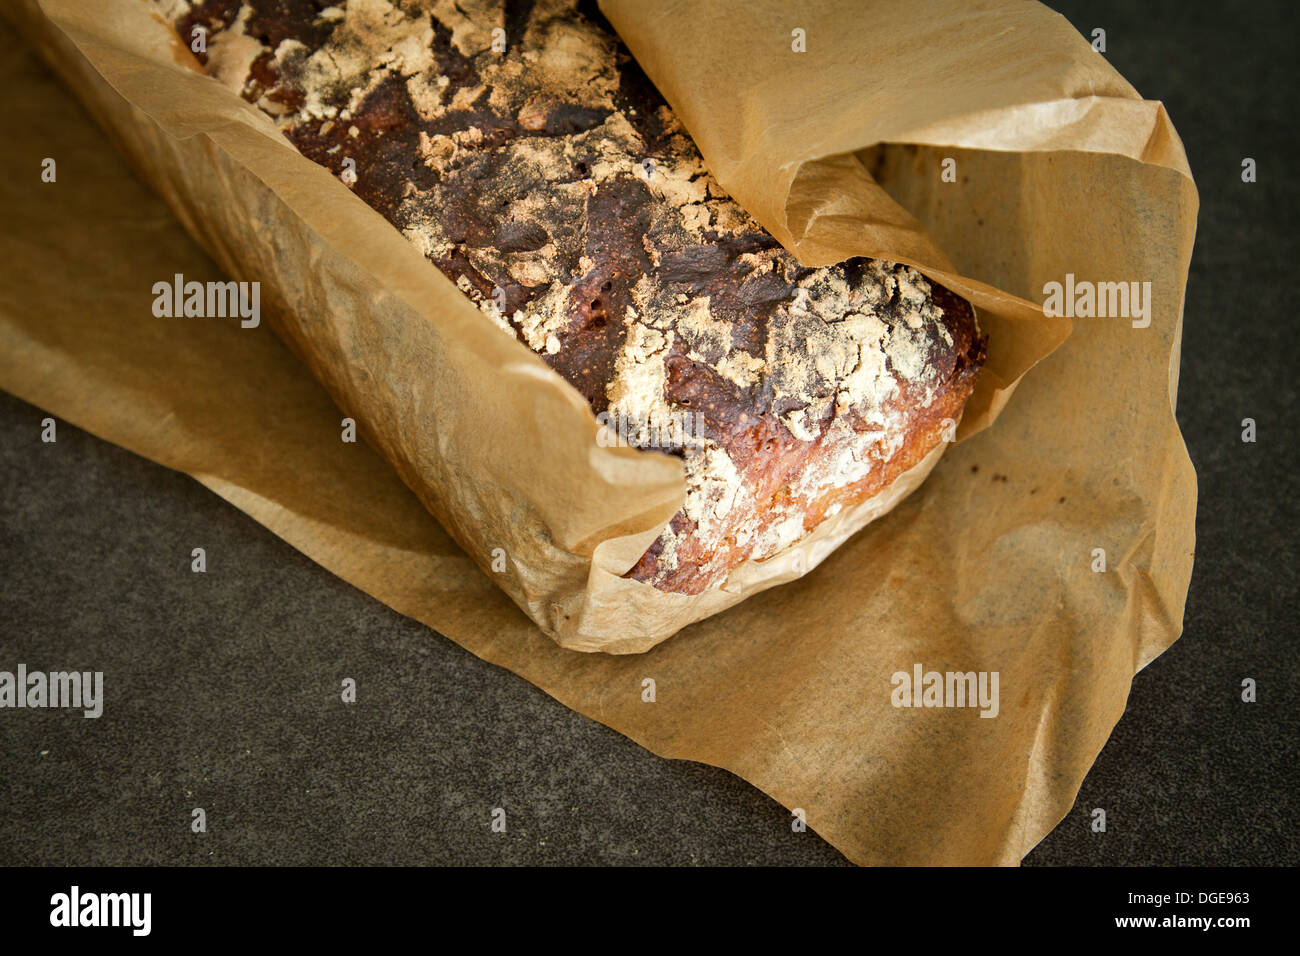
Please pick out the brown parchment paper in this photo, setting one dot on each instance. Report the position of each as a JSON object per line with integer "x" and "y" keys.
{"x": 987, "y": 568}
{"x": 496, "y": 445}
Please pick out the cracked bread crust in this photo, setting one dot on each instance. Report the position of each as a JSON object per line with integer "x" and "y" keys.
{"x": 521, "y": 149}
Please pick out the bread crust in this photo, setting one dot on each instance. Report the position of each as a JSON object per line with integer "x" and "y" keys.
{"x": 524, "y": 152}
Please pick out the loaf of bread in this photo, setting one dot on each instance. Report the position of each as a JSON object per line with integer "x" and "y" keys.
{"x": 520, "y": 148}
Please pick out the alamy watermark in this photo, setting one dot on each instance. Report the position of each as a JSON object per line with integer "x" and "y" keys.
{"x": 922, "y": 688}
{"x": 76, "y": 690}
{"x": 210, "y": 300}
{"x": 671, "y": 430}
{"x": 1086, "y": 300}
{"x": 75, "y": 908}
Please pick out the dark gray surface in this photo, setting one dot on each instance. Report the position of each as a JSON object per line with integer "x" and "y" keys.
{"x": 223, "y": 684}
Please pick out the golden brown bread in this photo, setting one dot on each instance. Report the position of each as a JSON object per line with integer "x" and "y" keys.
{"x": 521, "y": 149}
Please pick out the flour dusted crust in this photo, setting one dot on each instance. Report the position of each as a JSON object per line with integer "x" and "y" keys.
{"x": 554, "y": 186}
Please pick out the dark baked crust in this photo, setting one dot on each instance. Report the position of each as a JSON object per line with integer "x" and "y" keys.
{"x": 773, "y": 459}
{"x": 554, "y": 185}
